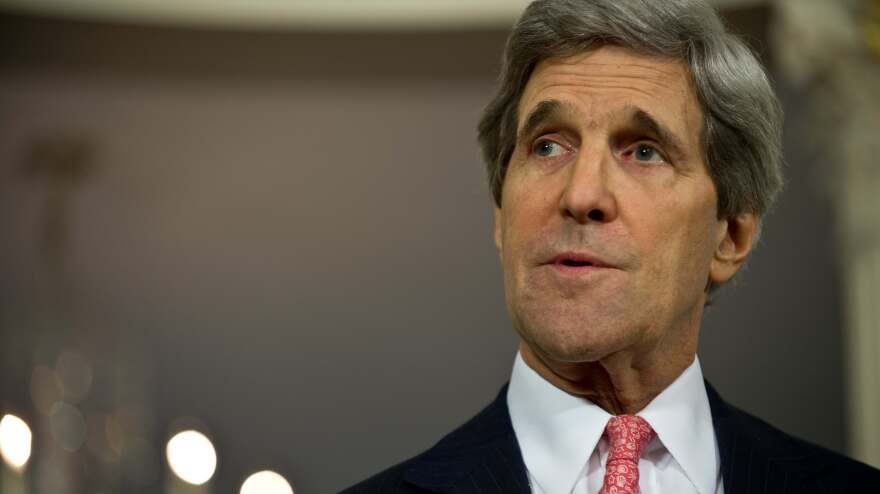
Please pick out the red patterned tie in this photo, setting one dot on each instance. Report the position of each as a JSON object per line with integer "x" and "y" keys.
{"x": 628, "y": 435}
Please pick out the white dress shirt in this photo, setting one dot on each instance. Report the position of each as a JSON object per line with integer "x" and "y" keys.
{"x": 560, "y": 436}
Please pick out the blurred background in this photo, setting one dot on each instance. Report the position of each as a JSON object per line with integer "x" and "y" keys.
{"x": 246, "y": 246}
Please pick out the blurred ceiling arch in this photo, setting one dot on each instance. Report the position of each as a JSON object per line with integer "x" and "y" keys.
{"x": 318, "y": 15}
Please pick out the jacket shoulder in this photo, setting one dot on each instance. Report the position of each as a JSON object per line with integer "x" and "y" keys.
{"x": 818, "y": 468}
{"x": 485, "y": 442}
{"x": 829, "y": 471}
{"x": 388, "y": 481}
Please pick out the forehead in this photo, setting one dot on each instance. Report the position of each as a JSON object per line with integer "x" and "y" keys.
{"x": 603, "y": 82}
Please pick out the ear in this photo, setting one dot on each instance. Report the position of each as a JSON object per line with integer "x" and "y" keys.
{"x": 498, "y": 229}
{"x": 735, "y": 237}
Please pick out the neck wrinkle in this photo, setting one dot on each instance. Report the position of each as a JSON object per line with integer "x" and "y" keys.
{"x": 614, "y": 383}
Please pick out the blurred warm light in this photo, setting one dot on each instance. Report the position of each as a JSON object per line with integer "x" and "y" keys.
{"x": 114, "y": 432}
{"x": 191, "y": 457}
{"x": 15, "y": 441}
{"x": 266, "y": 482}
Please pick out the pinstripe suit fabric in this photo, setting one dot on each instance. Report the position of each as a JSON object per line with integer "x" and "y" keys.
{"x": 483, "y": 457}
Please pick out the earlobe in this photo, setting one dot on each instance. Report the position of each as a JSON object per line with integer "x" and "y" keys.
{"x": 735, "y": 237}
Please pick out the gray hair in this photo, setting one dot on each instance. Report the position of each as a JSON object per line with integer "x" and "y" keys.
{"x": 742, "y": 128}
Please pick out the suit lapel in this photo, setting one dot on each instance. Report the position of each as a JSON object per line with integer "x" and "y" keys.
{"x": 480, "y": 457}
{"x": 755, "y": 457}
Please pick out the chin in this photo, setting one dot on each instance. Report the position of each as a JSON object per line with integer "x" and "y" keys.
{"x": 571, "y": 340}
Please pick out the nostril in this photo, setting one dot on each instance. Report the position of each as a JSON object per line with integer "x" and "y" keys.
{"x": 596, "y": 215}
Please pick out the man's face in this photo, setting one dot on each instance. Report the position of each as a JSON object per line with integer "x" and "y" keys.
{"x": 608, "y": 225}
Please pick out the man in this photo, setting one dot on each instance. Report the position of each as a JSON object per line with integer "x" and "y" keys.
{"x": 632, "y": 148}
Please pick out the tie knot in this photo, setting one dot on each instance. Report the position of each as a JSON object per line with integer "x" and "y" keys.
{"x": 628, "y": 435}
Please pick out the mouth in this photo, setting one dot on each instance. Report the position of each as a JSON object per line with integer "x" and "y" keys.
{"x": 574, "y": 263}
{"x": 577, "y": 263}
{"x": 577, "y": 259}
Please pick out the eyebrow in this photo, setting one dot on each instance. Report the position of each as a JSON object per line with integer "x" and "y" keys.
{"x": 642, "y": 120}
{"x": 545, "y": 111}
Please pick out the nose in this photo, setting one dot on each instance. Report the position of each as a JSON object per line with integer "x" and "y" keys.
{"x": 588, "y": 195}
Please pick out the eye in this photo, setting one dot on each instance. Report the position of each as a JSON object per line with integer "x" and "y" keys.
{"x": 644, "y": 152}
{"x": 547, "y": 149}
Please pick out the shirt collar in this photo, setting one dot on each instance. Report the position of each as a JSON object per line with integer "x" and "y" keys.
{"x": 558, "y": 432}
{"x": 682, "y": 419}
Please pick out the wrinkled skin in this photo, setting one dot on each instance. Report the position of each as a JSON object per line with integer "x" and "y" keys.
{"x": 612, "y": 169}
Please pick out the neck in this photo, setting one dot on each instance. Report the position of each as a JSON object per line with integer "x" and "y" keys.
{"x": 622, "y": 383}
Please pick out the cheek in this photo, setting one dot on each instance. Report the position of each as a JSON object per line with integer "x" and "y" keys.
{"x": 695, "y": 253}
{"x": 680, "y": 250}
{"x": 520, "y": 220}
{"x": 515, "y": 241}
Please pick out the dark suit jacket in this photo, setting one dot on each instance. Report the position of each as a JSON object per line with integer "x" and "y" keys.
{"x": 483, "y": 457}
